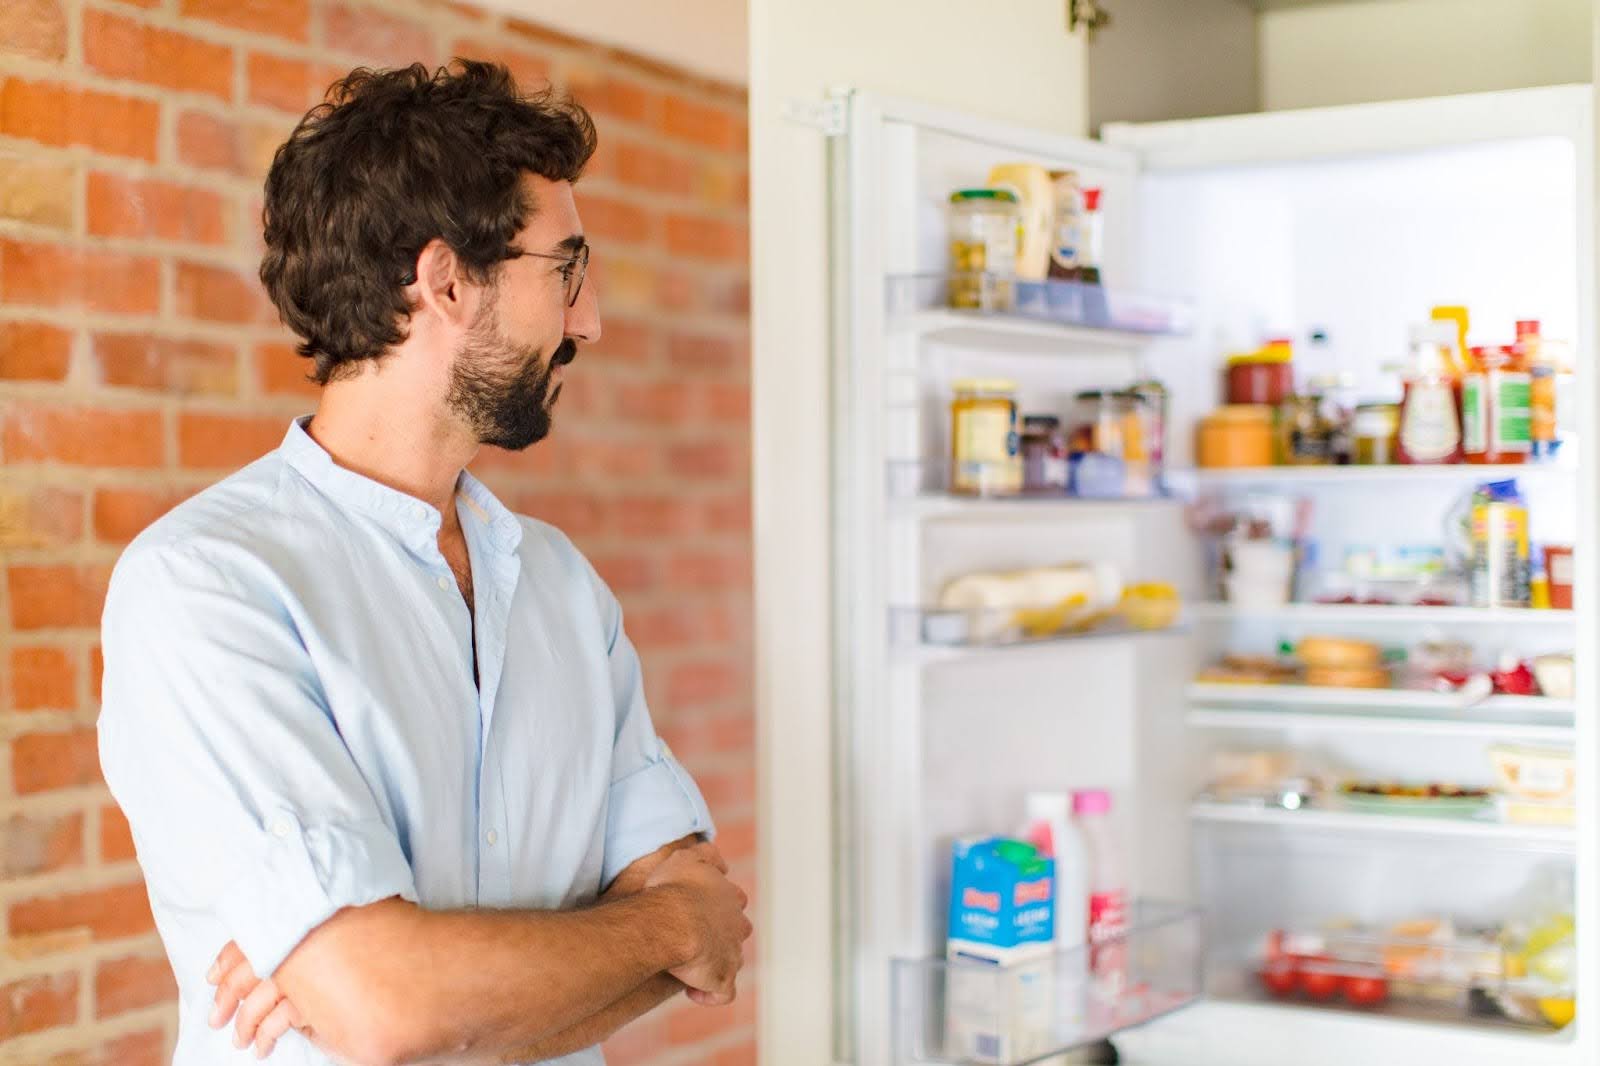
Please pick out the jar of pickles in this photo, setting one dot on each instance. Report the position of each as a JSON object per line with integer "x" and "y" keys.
{"x": 984, "y": 228}
{"x": 985, "y": 456}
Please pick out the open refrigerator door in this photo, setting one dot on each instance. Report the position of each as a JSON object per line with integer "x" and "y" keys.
{"x": 1345, "y": 769}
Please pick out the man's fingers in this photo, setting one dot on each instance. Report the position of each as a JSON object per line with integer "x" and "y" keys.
{"x": 256, "y": 1006}
{"x": 236, "y": 984}
{"x": 229, "y": 957}
{"x": 279, "y": 1020}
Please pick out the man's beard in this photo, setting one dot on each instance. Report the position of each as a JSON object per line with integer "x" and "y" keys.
{"x": 502, "y": 389}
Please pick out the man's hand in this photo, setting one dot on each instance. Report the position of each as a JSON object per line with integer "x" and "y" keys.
{"x": 718, "y": 926}
{"x": 263, "y": 1014}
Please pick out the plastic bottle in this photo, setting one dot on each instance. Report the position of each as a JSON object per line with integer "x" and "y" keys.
{"x": 1541, "y": 389}
{"x": 1049, "y": 828}
{"x": 1430, "y": 412}
{"x": 1495, "y": 407}
{"x": 1107, "y": 895}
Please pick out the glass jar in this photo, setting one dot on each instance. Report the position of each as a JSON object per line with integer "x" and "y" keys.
{"x": 1375, "y": 433}
{"x": 1305, "y": 437}
{"x": 984, "y": 447}
{"x": 1335, "y": 398}
{"x": 1044, "y": 455}
{"x": 984, "y": 229}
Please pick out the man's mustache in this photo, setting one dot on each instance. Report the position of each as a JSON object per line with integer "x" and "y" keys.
{"x": 564, "y": 354}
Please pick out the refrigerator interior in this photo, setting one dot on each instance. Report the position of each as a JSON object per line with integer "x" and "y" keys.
{"x": 1360, "y": 246}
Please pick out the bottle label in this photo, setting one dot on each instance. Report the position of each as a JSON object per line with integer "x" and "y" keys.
{"x": 1513, "y": 416}
{"x": 1474, "y": 418}
{"x": 1430, "y": 430}
{"x": 1542, "y": 399}
{"x": 1108, "y": 955}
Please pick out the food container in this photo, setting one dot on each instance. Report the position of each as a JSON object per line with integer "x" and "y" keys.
{"x": 1556, "y": 676}
{"x": 1304, "y": 436}
{"x": 1263, "y": 377}
{"x": 984, "y": 447}
{"x": 1537, "y": 785}
{"x": 1044, "y": 455}
{"x": 1558, "y": 565}
{"x": 1035, "y": 209}
{"x": 984, "y": 228}
{"x": 1238, "y": 435}
{"x": 1375, "y": 434}
{"x": 1150, "y": 605}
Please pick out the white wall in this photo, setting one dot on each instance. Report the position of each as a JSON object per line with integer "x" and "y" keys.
{"x": 708, "y": 37}
{"x": 1355, "y": 52}
{"x": 1011, "y": 61}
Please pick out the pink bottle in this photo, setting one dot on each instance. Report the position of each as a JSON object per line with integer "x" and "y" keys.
{"x": 1108, "y": 893}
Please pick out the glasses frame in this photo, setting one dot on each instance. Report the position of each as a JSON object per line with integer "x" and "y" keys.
{"x": 578, "y": 259}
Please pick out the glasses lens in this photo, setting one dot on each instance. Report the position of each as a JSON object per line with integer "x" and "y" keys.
{"x": 580, "y": 267}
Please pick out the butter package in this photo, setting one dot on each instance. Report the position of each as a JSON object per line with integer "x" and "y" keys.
{"x": 999, "y": 992}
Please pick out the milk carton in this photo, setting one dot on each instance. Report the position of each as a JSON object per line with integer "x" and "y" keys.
{"x": 998, "y": 994}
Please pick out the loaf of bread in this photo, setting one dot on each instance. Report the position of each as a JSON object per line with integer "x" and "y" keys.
{"x": 1339, "y": 652}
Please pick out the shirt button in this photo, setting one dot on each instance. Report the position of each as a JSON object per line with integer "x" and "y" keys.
{"x": 280, "y": 828}
{"x": 444, "y": 583}
{"x": 491, "y": 836}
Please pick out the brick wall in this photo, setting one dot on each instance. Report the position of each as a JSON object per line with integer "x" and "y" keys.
{"x": 139, "y": 362}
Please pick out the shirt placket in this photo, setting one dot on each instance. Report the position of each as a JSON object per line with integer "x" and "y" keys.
{"x": 497, "y": 580}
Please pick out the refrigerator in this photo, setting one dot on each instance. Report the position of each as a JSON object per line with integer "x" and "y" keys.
{"x": 1218, "y": 233}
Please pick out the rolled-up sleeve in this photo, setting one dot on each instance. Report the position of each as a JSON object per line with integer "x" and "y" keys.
{"x": 653, "y": 800}
{"x": 217, "y": 743}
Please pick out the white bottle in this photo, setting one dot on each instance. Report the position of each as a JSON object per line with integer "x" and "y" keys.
{"x": 1050, "y": 828}
{"x": 1107, "y": 905}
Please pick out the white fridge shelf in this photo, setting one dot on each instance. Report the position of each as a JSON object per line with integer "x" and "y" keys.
{"x": 1314, "y": 819}
{"x": 1359, "y": 476}
{"x": 1304, "y": 696}
{"x": 1374, "y": 614}
{"x": 1547, "y": 729}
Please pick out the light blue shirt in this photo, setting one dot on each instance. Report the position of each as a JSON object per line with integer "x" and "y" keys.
{"x": 291, "y": 724}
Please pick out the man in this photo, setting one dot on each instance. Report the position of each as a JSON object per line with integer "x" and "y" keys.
{"x": 382, "y": 743}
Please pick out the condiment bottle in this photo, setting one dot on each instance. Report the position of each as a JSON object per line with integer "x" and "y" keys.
{"x": 1430, "y": 410}
{"x": 1541, "y": 390}
{"x": 1495, "y": 407}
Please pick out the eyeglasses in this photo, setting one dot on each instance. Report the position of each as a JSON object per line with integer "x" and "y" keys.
{"x": 572, "y": 273}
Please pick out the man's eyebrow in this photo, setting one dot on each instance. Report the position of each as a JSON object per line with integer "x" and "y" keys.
{"x": 572, "y": 245}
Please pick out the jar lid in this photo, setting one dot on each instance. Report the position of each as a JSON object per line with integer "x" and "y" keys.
{"x": 1002, "y": 195}
{"x": 984, "y": 385}
{"x": 1243, "y": 413}
{"x": 1040, "y": 422}
{"x": 1271, "y": 355}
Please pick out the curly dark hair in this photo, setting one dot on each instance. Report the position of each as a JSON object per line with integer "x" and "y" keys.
{"x": 389, "y": 161}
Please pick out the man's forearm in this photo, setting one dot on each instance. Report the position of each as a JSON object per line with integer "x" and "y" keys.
{"x": 393, "y": 983}
{"x": 598, "y": 1027}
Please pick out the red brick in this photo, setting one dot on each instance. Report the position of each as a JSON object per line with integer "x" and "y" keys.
{"x": 701, "y": 682}
{"x": 733, "y": 788}
{"x": 373, "y": 34}
{"x": 226, "y": 441}
{"x": 615, "y": 97}
{"x": 121, "y": 985}
{"x": 725, "y": 403}
{"x": 97, "y": 666}
{"x": 34, "y": 1004}
{"x": 660, "y": 628}
{"x": 654, "y": 516}
{"x": 33, "y": 351}
{"x": 107, "y": 913}
{"x": 625, "y": 573}
{"x": 577, "y": 514}
{"x": 116, "y": 838}
{"x": 659, "y": 402}
{"x": 701, "y": 125}
{"x": 722, "y": 356}
{"x": 712, "y": 239}
{"x": 120, "y": 514}
{"x": 41, "y": 762}
{"x": 708, "y": 460}
{"x": 170, "y": 364}
{"x": 217, "y": 294}
{"x": 130, "y": 207}
{"x": 708, "y": 569}
{"x": 616, "y": 220}
{"x": 121, "y": 47}
{"x": 286, "y": 84}
{"x": 145, "y": 1048}
{"x": 625, "y": 341}
{"x": 62, "y": 115}
{"x": 41, "y": 517}
{"x": 40, "y": 844}
{"x": 56, "y": 595}
{"x": 645, "y": 167}
{"x": 33, "y": 28}
{"x": 280, "y": 370}
{"x": 731, "y": 515}
{"x": 530, "y": 71}
{"x": 58, "y": 275}
{"x": 82, "y": 436}
{"x": 210, "y": 143}
{"x": 39, "y": 193}
{"x": 737, "y": 840}
{"x": 690, "y": 736}
{"x": 43, "y": 679}
{"x": 743, "y": 1054}
{"x": 690, "y": 1023}
{"x": 279, "y": 18}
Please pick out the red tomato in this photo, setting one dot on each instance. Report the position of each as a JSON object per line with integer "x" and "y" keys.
{"x": 1366, "y": 991}
{"x": 1319, "y": 985}
{"x": 1280, "y": 978}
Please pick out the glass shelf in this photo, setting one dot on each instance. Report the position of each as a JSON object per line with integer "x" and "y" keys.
{"x": 1483, "y": 828}
{"x": 1065, "y": 310}
{"x": 928, "y": 480}
{"x": 974, "y": 1012}
{"x": 1358, "y": 477}
{"x": 944, "y": 631}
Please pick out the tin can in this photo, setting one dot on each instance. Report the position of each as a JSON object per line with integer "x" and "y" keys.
{"x": 1500, "y": 555}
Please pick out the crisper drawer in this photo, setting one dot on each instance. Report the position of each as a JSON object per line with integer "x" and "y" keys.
{"x": 956, "y": 1011}
{"x": 1449, "y": 930}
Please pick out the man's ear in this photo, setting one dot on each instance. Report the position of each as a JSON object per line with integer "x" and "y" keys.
{"x": 440, "y": 284}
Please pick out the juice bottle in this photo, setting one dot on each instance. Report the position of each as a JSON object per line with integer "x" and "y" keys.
{"x": 1107, "y": 902}
{"x": 1430, "y": 410}
{"x": 1541, "y": 389}
{"x": 1495, "y": 407}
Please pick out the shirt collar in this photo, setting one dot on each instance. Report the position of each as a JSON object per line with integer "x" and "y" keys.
{"x": 411, "y": 520}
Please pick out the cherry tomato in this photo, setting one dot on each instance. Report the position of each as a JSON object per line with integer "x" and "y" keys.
{"x": 1280, "y": 978}
{"x": 1366, "y": 991}
{"x": 1319, "y": 985}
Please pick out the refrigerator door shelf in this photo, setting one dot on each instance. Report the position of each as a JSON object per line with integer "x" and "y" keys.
{"x": 1301, "y": 696}
{"x": 974, "y": 1012}
{"x": 940, "y": 633}
{"x": 1059, "y": 317}
{"x": 1362, "y": 478}
{"x": 1386, "y": 614}
{"x": 1475, "y": 830}
{"x": 928, "y": 481}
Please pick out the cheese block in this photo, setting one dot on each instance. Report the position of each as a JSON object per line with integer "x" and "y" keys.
{"x": 1339, "y": 652}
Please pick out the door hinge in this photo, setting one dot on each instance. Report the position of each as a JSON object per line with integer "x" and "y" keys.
{"x": 1088, "y": 14}
{"x": 825, "y": 115}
